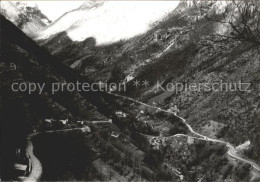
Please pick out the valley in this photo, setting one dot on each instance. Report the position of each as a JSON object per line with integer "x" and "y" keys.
{"x": 100, "y": 94}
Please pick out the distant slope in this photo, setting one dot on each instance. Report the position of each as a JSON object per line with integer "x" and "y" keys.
{"x": 30, "y": 19}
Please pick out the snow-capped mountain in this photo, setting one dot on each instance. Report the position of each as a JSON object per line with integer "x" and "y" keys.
{"x": 28, "y": 18}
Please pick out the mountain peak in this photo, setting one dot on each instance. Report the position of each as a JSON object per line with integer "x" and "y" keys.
{"x": 29, "y": 18}
{"x": 91, "y": 4}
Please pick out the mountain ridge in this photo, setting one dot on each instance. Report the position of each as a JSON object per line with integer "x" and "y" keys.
{"x": 30, "y": 19}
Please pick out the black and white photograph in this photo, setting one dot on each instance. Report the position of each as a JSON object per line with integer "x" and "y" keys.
{"x": 130, "y": 90}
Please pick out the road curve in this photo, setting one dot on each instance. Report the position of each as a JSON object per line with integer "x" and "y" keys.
{"x": 231, "y": 149}
{"x": 34, "y": 162}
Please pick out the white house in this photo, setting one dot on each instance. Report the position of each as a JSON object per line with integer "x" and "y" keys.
{"x": 48, "y": 120}
{"x": 120, "y": 114}
{"x": 115, "y": 134}
{"x": 65, "y": 121}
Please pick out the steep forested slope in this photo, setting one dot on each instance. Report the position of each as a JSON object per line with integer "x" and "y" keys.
{"x": 203, "y": 42}
{"x": 180, "y": 49}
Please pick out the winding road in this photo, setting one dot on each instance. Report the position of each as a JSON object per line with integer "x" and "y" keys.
{"x": 36, "y": 167}
{"x": 232, "y": 152}
{"x": 35, "y": 164}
